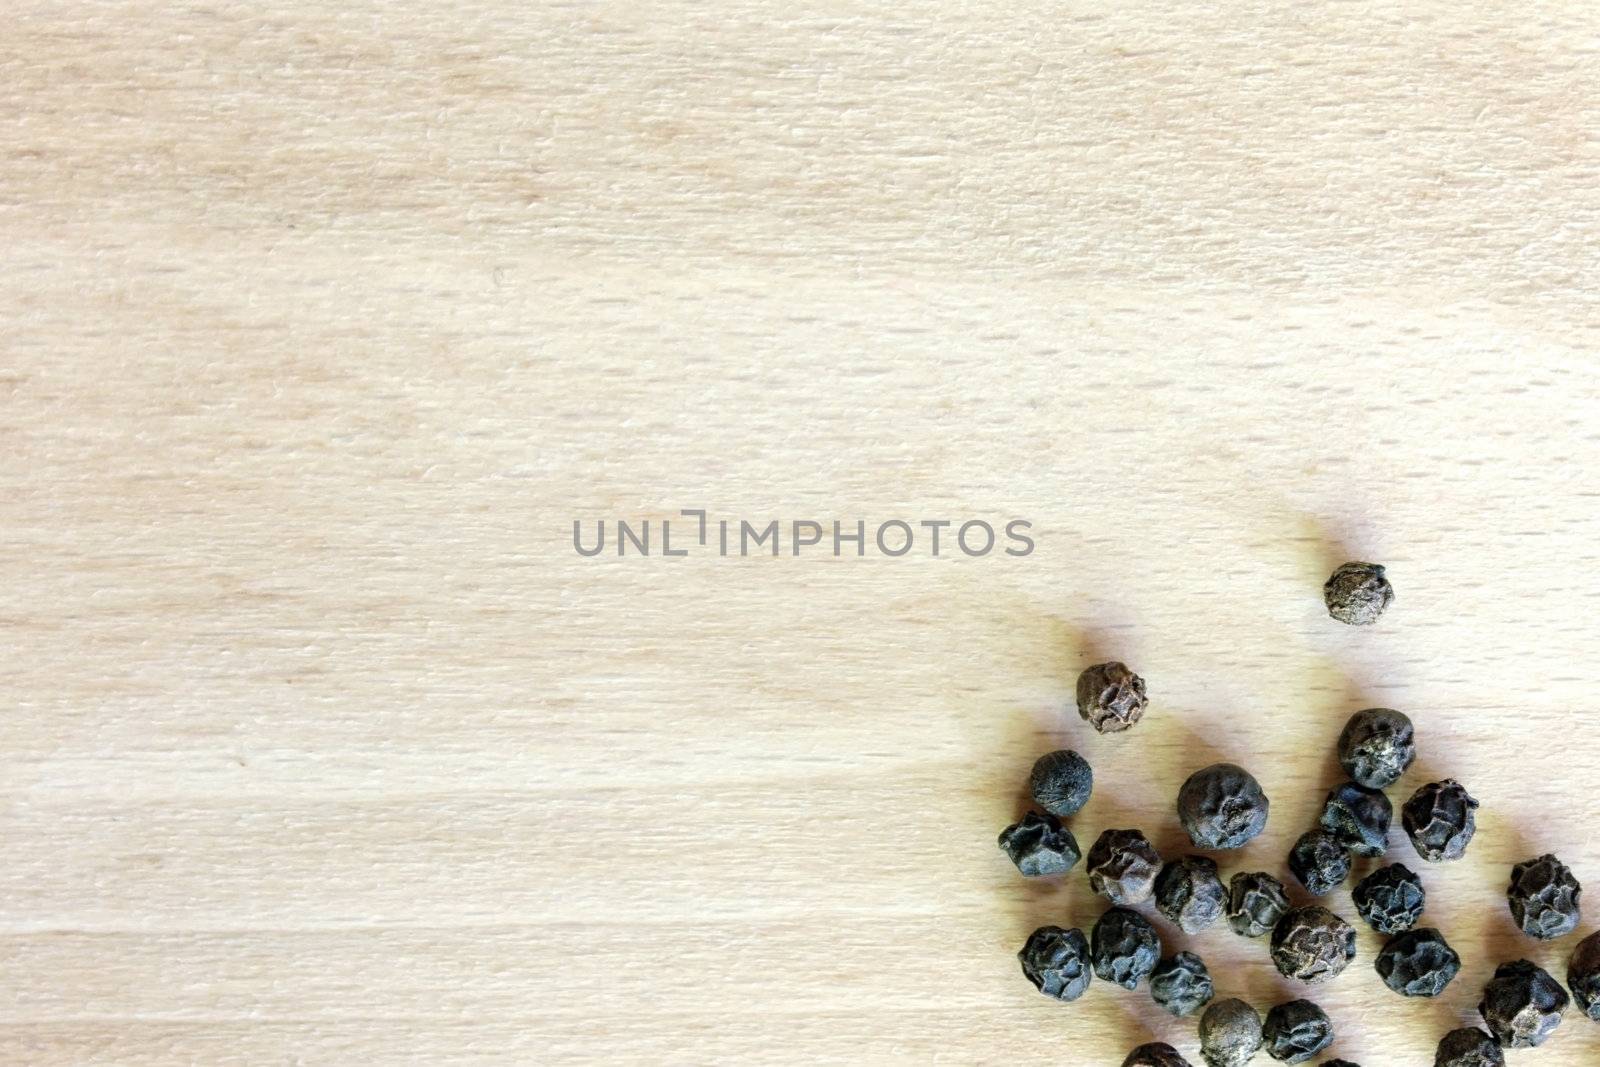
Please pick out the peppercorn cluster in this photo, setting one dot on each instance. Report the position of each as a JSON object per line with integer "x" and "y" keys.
{"x": 1222, "y": 808}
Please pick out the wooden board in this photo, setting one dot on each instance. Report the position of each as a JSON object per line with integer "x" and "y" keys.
{"x": 322, "y": 324}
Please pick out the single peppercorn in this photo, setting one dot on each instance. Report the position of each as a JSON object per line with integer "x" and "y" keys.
{"x": 1376, "y": 746}
{"x": 1056, "y": 961}
{"x": 1418, "y": 963}
{"x": 1039, "y": 845}
{"x": 1320, "y": 862}
{"x": 1439, "y": 820}
{"x": 1125, "y": 947}
{"x": 1522, "y": 1004}
{"x": 1468, "y": 1047}
{"x": 1583, "y": 976}
{"x": 1297, "y": 1031}
{"x": 1111, "y": 697}
{"x": 1181, "y": 984}
{"x": 1357, "y": 593}
{"x": 1189, "y": 893}
{"x": 1061, "y": 782}
{"x": 1390, "y": 899}
{"x": 1256, "y": 901}
{"x": 1222, "y": 807}
{"x": 1359, "y": 817}
{"x": 1123, "y": 866}
{"x": 1230, "y": 1034}
{"x": 1312, "y": 944}
{"x": 1544, "y": 898}
{"x": 1155, "y": 1054}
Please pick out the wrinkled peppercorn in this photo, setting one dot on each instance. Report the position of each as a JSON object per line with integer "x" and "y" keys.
{"x": 1439, "y": 820}
{"x": 1111, "y": 697}
{"x": 1297, "y": 1031}
{"x": 1056, "y": 961}
{"x": 1061, "y": 782}
{"x": 1230, "y": 1034}
{"x": 1544, "y": 898}
{"x": 1469, "y": 1047}
{"x": 1155, "y": 1054}
{"x": 1320, "y": 862}
{"x": 1583, "y": 976}
{"x": 1222, "y": 807}
{"x": 1522, "y": 1004}
{"x": 1376, "y": 747}
{"x": 1390, "y": 899}
{"x": 1256, "y": 901}
{"x": 1357, "y": 593}
{"x": 1123, "y": 866}
{"x": 1359, "y": 818}
{"x": 1181, "y": 984}
{"x": 1418, "y": 963}
{"x": 1189, "y": 893}
{"x": 1040, "y": 845}
{"x": 1125, "y": 947}
{"x": 1312, "y": 944}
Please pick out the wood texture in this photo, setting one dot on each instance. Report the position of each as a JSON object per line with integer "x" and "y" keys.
{"x": 320, "y": 324}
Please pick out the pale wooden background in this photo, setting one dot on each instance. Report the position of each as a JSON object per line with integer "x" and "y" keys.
{"x": 321, "y": 322}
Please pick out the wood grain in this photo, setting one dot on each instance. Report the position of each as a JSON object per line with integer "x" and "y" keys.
{"x": 320, "y": 324}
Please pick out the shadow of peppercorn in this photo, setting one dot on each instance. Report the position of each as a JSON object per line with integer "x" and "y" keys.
{"x": 1323, "y": 547}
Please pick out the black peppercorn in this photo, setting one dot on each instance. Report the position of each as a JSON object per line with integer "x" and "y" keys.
{"x": 1376, "y": 747}
{"x": 1583, "y": 976}
{"x": 1418, "y": 963}
{"x": 1522, "y": 1004}
{"x": 1339, "y": 1063}
{"x": 1230, "y": 1034}
{"x": 1061, "y": 782}
{"x": 1357, "y": 593}
{"x": 1544, "y": 898}
{"x": 1155, "y": 1054}
{"x": 1469, "y": 1047}
{"x": 1181, "y": 984}
{"x": 1320, "y": 862}
{"x": 1359, "y": 818}
{"x": 1111, "y": 697}
{"x": 1189, "y": 893}
{"x": 1056, "y": 961}
{"x": 1297, "y": 1031}
{"x": 1312, "y": 944}
{"x": 1222, "y": 807}
{"x": 1256, "y": 901}
{"x": 1390, "y": 899}
{"x": 1125, "y": 947}
{"x": 1040, "y": 845}
{"x": 1122, "y": 866}
{"x": 1439, "y": 820}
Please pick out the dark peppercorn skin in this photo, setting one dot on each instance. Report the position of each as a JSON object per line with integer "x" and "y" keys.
{"x": 1390, "y": 899}
{"x": 1057, "y": 962}
{"x": 1297, "y": 1031}
{"x": 1111, "y": 698}
{"x": 1181, "y": 984}
{"x": 1339, "y": 1063}
{"x": 1230, "y": 1034}
{"x": 1583, "y": 976}
{"x": 1222, "y": 807}
{"x": 1122, "y": 866}
{"x": 1312, "y": 944}
{"x": 1469, "y": 1047}
{"x": 1439, "y": 820}
{"x": 1190, "y": 893}
{"x": 1125, "y": 947}
{"x": 1155, "y": 1054}
{"x": 1522, "y": 1005}
{"x": 1061, "y": 783}
{"x": 1256, "y": 901}
{"x": 1377, "y": 746}
{"x": 1039, "y": 845}
{"x": 1358, "y": 593}
{"x": 1359, "y": 818}
{"x": 1543, "y": 896}
{"x": 1418, "y": 963}
{"x": 1320, "y": 862}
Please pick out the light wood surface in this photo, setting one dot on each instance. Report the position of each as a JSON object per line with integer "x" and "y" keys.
{"x": 322, "y": 322}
